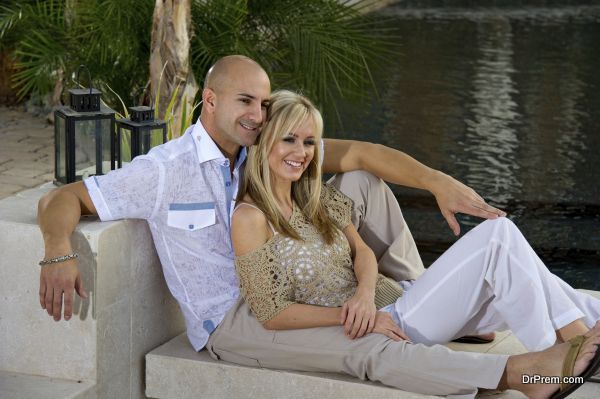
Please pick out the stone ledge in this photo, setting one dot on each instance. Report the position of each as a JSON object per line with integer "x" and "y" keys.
{"x": 129, "y": 310}
{"x": 22, "y": 386}
{"x": 175, "y": 370}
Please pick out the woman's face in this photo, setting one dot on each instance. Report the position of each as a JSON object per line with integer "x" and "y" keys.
{"x": 291, "y": 155}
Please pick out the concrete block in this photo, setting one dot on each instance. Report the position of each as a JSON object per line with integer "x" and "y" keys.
{"x": 20, "y": 386}
{"x": 112, "y": 257}
{"x": 32, "y": 342}
{"x": 113, "y": 349}
{"x": 175, "y": 370}
{"x": 129, "y": 310}
{"x": 149, "y": 307}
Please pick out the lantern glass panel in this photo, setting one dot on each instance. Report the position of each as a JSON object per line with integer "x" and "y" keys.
{"x": 125, "y": 144}
{"x": 60, "y": 147}
{"x": 92, "y": 147}
{"x": 151, "y": 137}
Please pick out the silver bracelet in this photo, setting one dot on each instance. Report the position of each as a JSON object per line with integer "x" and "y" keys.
{"x": 59, "y": 259}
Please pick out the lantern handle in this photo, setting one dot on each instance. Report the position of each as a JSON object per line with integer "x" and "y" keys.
{"x": 89, "y": 76}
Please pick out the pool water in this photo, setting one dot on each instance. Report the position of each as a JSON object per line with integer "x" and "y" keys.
{"x": 507, "y": 100}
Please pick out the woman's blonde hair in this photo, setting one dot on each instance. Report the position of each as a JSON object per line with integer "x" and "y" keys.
{"x": 287, "y": 111}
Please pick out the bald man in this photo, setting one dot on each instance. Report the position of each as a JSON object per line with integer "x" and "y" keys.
{"x": 185, "y": 189}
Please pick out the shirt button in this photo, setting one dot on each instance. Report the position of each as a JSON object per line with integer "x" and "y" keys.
{"x": 191, "y": 226}
{"x": 227, "y": 184}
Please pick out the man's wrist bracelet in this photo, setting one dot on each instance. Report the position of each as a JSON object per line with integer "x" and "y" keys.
{"x": 59, "y": 259}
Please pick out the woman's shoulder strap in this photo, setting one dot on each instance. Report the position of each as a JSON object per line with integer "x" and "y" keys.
{"x": 258, "y": 209}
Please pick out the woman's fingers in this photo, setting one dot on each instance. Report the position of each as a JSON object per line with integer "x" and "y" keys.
{"x": 350, "y": 321}
{"x": 362, "y": 328}
{"x": 392, "y": 335}
{"x": 344, "y": 314}
{"x": 371, "y": 323}
{"x": 401, "y": 334}
{"x": 384, "y": 324}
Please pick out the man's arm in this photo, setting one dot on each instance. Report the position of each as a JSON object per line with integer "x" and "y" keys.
{"x": 59, "y": 212}
{"x": 397, "y": 167}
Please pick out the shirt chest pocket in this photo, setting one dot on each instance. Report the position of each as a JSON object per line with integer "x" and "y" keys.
{"x": 191, "y": 216}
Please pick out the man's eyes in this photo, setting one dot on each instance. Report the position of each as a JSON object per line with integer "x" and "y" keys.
{"x": 249, "y": 101}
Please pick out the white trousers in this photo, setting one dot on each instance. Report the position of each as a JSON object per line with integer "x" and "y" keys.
{"x": 491, "y": 280}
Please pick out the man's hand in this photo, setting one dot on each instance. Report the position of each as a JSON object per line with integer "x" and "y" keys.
{"x": 57, "y": 282}
{"x": 384, "y": 324}
{"x": 454, "y": 197}
{"x": 358, "y": 314}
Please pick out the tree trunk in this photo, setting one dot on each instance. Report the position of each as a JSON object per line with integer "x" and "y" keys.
{"x": 171, "y": 35}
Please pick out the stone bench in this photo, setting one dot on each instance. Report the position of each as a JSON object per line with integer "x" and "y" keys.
{"x": 102, "y": 352}
{"x": 175, "y": 370}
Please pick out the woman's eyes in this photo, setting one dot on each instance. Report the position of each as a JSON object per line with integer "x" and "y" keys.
{"x": 293, "y": 140}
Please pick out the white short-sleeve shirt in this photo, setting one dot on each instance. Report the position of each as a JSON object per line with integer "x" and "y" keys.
{"x": 185, "y": 190}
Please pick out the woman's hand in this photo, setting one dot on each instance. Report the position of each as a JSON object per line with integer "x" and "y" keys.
{"x": 384, "y": 324}
{"x": 358, "y": 314}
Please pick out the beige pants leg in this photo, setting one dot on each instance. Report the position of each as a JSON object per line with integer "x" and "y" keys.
{"x": 380, "y": 223}
{"x": 432, "y": 370}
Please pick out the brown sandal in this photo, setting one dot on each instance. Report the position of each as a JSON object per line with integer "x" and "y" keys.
{"x": 569, "y": 364}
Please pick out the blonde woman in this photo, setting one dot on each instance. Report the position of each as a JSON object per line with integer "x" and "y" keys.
{"x": 302, "y": 264}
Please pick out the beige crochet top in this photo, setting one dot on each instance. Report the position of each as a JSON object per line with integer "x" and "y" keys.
{"x": 284, "y": 271}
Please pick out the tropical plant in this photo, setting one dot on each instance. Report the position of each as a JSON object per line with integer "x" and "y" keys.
{"x": 325, "y": 48}
{"x": 50, "y": 38}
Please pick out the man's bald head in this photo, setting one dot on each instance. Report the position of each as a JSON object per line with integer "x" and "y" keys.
{"x": 228, "y": 68}
{"x": 234, "y": 102}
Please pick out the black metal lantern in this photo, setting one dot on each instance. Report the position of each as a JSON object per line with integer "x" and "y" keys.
{"x": 137, "y": 135}
{"x": 84, "y": 136}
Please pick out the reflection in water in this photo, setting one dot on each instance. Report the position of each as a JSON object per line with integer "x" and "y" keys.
{"x": 491, "y": 141}
{"x": 506, "y": 101}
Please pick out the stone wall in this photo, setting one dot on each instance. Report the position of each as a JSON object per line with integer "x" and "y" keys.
{"x": 129, "y": 311}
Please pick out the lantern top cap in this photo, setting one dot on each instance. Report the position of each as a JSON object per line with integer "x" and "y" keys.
{"x": 141, "y": 114}
{"x": 85, "y": 100}
{"x": 140, "y": 108}
{"x": 84, "y": 91}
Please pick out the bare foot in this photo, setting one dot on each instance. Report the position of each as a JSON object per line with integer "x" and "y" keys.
{"x": 488, "y": 337}
{"x": 548, "y": 363}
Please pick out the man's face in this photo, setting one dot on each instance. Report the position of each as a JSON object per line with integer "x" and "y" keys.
{"x": 241, "y": 108}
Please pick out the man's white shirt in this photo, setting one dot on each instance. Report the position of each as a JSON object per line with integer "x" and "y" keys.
{"x": 185, "y": 191}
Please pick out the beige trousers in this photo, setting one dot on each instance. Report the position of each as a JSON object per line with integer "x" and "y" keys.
{"x": 436, "y": 370}
{"x": 379, "y": 221}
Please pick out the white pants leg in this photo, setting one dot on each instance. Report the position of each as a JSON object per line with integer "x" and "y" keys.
{"x": 491, "y": 280}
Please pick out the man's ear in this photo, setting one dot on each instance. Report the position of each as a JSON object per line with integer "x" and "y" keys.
{"x": 208, "y": 99}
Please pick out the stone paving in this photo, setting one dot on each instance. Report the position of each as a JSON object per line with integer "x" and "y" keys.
{"x": 26, "y": 151}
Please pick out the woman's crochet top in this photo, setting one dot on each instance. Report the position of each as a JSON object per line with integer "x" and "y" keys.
{"x": 284, "y": 271}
